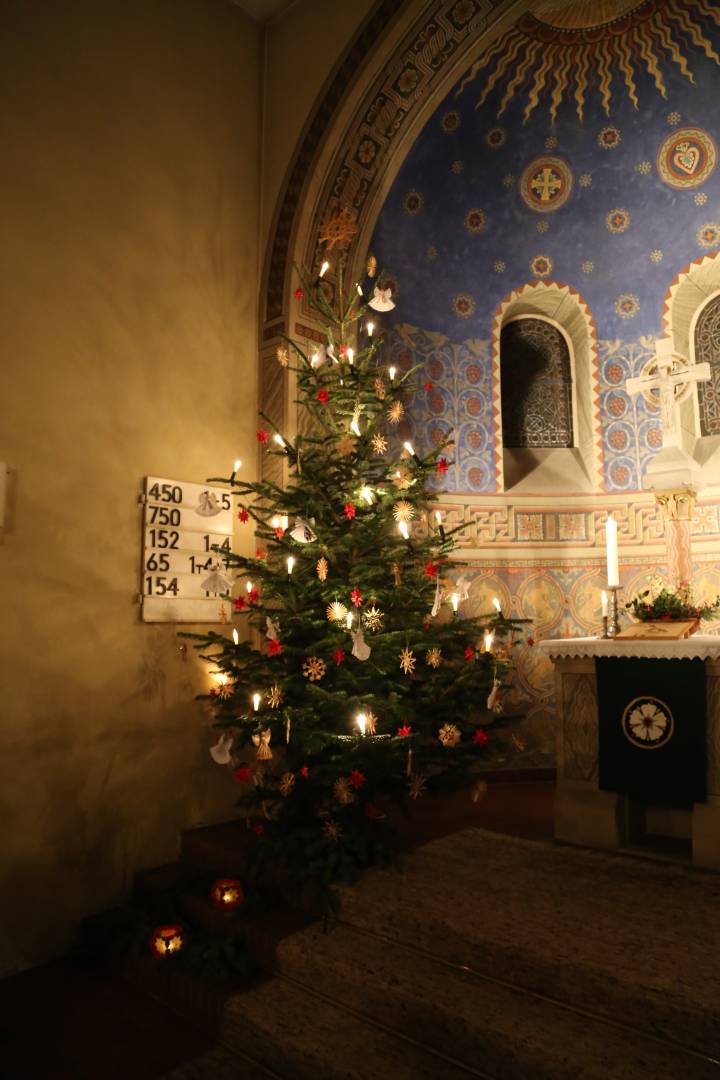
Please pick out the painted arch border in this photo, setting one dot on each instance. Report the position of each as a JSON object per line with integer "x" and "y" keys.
{"x": 567, "y": 309}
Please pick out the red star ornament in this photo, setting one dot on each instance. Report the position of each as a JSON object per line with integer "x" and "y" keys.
{"x": 430, "y": 569}
{"x": 339, "y": 656}
{"x": 469, "y": 653}
{"x": 243, "y": 515}
{"x": 274, "y": 647}
{"x": 279, "y": 532}
{"x": 323, "y": 397}
{"x": 259, "y": 553}
{"x": 305, "y": 772}
{"x": 262, "y": 436}
{"x": 356, "y": 597}
{"x": 350, "y": 511}
{"x": 239, "y": 603}
{"x": 404, "y": 730}
{"x": 428, "y": 386}
{"x": 356, "y": 779}
{"x": 253, "y": 596}
{"x": 481, "y": 737}
{"x": 442, "y": 466}
{"x": 259, "y": 829}
{"x": 243, "y": 774}
{"x": 299, "y": 293}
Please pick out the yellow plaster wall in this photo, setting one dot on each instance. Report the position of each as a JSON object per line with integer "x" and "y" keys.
{"x": 302, "y": 47}
{"x": 129, "y": 138}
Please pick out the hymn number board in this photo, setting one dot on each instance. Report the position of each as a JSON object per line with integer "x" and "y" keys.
{"x": 182, "y": 525}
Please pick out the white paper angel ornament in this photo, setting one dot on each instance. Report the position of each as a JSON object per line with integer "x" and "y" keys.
{"x": 208, "y": 504}
{"x": 438, "y": 597}
{"x": 360, "y": 648}
{"x": 302, "y": 532}
{"x": 218, "y": 580}
{"x": 381, "y": 300}
{"x": 272, "y": 628}
{"x": 493, "y": 700}
{"x": 221, "y": 752}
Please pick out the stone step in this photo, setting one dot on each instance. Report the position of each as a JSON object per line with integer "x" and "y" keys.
{"x": 509, "y": 1034}
{"x": 300, "y": 1034}
{"x": 622, "y": 936}
{"x": 220, "y": 1063}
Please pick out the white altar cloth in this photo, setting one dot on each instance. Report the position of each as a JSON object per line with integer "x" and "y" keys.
{"x": 697, "y": 646}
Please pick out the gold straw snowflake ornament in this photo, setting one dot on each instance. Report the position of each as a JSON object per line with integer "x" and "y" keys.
{"x": 287, "y": 783}
{"x": 379, "y": 389}
{"x": 314, "y": 668}
{"x": 403, "y": 511}
{"x": 282, "y": 355}
{"x": 342, "y": 791}
{"x": 373, "y": 618}
{"x": 449, "y": 735}
{"x": 396, "y": 412}
{"x": 407, "y": 661}
{"x": 379, "y": 443}
{"x": 433, "y": 657}
{"x": 322, "y": 568}
{"x": 336, "y": 612}
{"x": 416, "y": 786}
{"x": 275, "y": 696}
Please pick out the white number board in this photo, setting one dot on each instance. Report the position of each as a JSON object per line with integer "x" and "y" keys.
{"x": 182, "y": 524}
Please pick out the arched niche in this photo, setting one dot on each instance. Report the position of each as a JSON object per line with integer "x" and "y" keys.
{"x": 687, "y": 296}
{"x": 568, "y": 470}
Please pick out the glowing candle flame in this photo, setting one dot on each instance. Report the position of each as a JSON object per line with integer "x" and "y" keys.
{"x": 284, "y": 521}
{"x": 236, "y": 465}
{"x": 496, "y": 605}
{"x": 355, "y": 428}
{"x": 236, "y": 637}
{"x": 290, "y": 563}
{"x": 350, "y": 355}
{"x": 256, "y": 701}
{"x": 324, "y": 268}
{"x": 279, "y": 439}
{"x": 370, "y": 327}
{"x": 275, "y": 521}
{"x": 404, "y": 530}
{"x": 367, "y": 495}
{"x": 249, "y": 586}
{"x": 359, "y": 289}
{"x": 391, "y": 372}
{"x": 314, "y": 359}
{"x": 489, "y": 638}
{"x": 349, "y": 620}
{"x": 410, "y": 449}
{"x": 455, "y": 601}
{"x": 361, "y": 720}
{"x": 438, "y": 517}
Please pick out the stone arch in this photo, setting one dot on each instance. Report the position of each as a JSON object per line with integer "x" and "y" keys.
{"x": 403, "y": 60}
{"x": 565, "y": 308}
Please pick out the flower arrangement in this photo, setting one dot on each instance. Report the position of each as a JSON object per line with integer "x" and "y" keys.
{"x": 664, "y": 604}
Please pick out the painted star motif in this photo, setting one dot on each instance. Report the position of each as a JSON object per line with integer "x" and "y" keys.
{"x": 379, "y": 443}
{"x": 407, "y": 661}
{"x": 338, "y": 229}
{"x": 396, "y": 412}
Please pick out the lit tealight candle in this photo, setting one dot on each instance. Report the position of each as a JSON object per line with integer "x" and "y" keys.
{"x": 361, "y": 720}
{"x": 496, "y": 605}
{"x": 370, "y": 327}
{"x": 604, "y": 604}
{"x": 290, "y": 563}
{"x": 489, "y": 638}
{"x": 349, "y": 620}
{"x": 236, "y": 637}
{"x": 324, "y": 268}
{"x": 404, "y": 530}
{"x": 455, "y": 598}
{"x": 391, "y": 373}
{"x": 256, "y": 701}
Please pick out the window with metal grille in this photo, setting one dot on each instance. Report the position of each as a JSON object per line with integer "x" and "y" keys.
{"x": 707, "y": 347}
{"x": 536, "y": 381}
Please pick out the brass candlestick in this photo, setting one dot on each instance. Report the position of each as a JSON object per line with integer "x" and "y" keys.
{"x": 612, "y": 618}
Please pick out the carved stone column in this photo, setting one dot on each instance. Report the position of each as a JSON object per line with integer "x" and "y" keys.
{"x": 677, "y": 507}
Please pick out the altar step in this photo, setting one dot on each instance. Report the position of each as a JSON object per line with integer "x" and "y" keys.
{"x": 498, "y": 958}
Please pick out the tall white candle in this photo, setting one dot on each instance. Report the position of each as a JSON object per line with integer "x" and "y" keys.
{"x": 613, "y": 570}
{"x": 604, "y": 602}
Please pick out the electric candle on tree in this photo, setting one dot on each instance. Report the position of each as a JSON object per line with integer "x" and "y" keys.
{"x": 613, "y": 570}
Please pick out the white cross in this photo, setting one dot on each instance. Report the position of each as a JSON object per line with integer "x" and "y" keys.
{"x": 673, "y": 379}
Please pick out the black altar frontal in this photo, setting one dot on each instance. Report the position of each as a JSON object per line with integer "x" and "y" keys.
{"x": 639, "y": 723}
{"x": 651, "y": 738}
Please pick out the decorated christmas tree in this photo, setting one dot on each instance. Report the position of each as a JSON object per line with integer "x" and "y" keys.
{"x": 361, "y": 679}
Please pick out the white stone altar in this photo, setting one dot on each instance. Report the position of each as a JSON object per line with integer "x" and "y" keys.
{"x": 586, "y": 815}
